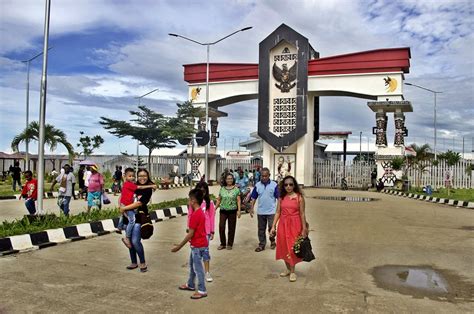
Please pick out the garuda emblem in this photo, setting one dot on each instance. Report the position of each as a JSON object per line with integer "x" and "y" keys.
{"x": 285, "y": 77}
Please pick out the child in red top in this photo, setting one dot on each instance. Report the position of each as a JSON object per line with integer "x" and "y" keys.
{"x": 30, "y": 192}
{"x": 127, "y": 198}
{"x": 210, "y": 212}
{"x": 198, "y": 238}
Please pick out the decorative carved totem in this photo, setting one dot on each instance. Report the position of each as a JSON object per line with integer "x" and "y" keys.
{"x": 400, "y": 129}
{"x": 380, "y": 130}
{"x": 214, "y": 133}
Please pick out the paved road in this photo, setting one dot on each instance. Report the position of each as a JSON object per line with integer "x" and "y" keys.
{"x": 349, "y": 240}
{"x": 15, "y": 209}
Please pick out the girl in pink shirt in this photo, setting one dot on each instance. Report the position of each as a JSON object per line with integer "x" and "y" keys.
{"x": 209, "y": 210}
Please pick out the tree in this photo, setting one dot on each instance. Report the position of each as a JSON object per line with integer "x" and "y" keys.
{"x": 186, "y": 119}
{"x": 421, "y": 161}
{"x": 451, "y": 158}
{"x": 141, "y": 163}
{"x": 150, "y": 128}
{"x": 89, "y": 144}
{"x": 52, "y": 137}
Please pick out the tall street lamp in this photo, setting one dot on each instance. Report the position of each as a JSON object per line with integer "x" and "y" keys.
{"x": 434, "y": 114}
{"x": 42, "y": 115}
{"x": 27, "y": 161}
{"x": 139, "y": 103}
{"x": 207, "y": 82}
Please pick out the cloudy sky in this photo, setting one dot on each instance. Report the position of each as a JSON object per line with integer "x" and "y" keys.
{"x": 106, "y": 52}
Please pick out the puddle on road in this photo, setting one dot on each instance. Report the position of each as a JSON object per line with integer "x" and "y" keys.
{"x": 424, "y": 281}
{"x": 345, "y": 198}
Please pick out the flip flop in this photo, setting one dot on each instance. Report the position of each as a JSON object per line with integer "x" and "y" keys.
{"x": 130, "y": 267}
{"x": 259, "y": 249}
{"x": 144, "y": 269}
{"x": 185, "y": 287}
{"x": 198, "y": 295}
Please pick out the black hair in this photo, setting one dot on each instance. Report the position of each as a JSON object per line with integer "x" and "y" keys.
{"x": 204, "y": 186}
{"x": 282, "y": 190}
{"x": 127, "y": 170}
{"x": 233, "y": 179}
{"x": 147, "y": 174}
{"x": 28, "y": 172}
{"x": 197, "y": 195}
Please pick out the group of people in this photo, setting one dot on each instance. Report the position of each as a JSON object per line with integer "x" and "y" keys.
{"x": 280, "y": 211}
{"x": 91, "y": 184}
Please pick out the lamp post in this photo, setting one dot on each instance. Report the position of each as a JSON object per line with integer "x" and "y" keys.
{"x": 208, "y": 45}
{"x": 27, "y": 157}
{"x": 139, "y": 103}
{"x": 434, "y": 114}
{"x": 42, "y": 115}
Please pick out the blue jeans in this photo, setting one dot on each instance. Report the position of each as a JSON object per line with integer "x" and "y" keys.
{"x": 30, "y": 205}
{"x": 64, "y": 204}
{"x": 196, "y": 268}
{"x": 137, "y": 246}
{"x": 131, "y": 222}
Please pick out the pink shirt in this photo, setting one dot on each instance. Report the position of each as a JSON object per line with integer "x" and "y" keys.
{"x": 96, "y": 182}
{"x": 210, "y": 216}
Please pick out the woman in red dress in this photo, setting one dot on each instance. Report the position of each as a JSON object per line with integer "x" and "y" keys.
{"x": 291, "y": 220}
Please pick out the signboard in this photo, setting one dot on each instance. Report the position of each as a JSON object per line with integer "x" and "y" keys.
{"x": 283, "y": 85}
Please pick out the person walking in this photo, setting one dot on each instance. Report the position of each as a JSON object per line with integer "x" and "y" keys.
{"x": 30, "y": 192}
{"x": 141, "y": 206}
{"x": 118, "y": 179}
{"x": 80, "y": 178}
{"x": 266, "y": 191}
{"x": 229, "y": 204}
{"x": 95, "y": 188}
{"x": 289, "y": 224}
{"x": 65, "y": 179}
{"x": 15, "y": 171}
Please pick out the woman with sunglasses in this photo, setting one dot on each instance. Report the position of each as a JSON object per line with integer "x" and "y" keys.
{"x": 291, "y": 220}
{"x": 229, "y": 204}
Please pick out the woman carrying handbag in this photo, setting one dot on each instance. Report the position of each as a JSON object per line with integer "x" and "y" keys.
{"x": 291, "y": 220}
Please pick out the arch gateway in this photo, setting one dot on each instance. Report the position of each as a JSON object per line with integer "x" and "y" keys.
{"x": 288, "y": 81}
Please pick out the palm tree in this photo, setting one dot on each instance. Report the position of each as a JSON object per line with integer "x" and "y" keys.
{"x": 451, "y": 158}
{"x": 52, "y": 137}
{"x": 420, "y": 161}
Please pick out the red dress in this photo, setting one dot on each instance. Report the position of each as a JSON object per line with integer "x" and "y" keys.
{"x": 289, "y": 228}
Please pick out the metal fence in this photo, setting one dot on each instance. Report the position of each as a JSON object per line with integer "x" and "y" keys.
{"x": 436, "y": 176}
{"x": 236, "y": 163}
{"x": 163, "y": 166}
{"x": 328, "y": 173}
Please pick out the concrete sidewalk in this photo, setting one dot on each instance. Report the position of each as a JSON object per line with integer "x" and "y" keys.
{"x": 349, "y": 239}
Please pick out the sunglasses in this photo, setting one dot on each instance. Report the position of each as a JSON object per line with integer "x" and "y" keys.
{"x": 289, "y": 184}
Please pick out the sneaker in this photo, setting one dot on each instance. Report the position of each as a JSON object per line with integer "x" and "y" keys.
{"x": 286, "y": 273}
{"x": 208, "y": 277}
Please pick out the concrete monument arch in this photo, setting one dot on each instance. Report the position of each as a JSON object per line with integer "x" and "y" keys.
{"x": 288, "y": 81}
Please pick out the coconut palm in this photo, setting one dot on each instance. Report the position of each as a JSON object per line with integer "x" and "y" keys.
{"x": 52, "y": 137}
{"x": 420, "y": 162}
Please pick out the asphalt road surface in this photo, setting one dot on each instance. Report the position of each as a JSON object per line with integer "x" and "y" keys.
{"x": 349, "y": 240}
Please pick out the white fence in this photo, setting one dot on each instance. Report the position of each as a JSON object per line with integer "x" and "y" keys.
{"x": 328, "y": 173}
{"x": 436, "y": 175}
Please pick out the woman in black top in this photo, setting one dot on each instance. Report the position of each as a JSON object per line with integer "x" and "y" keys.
{"x": 143, "y": 197}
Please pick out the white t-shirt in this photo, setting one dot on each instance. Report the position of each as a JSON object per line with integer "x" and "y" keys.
{"x": 87, "y": 175}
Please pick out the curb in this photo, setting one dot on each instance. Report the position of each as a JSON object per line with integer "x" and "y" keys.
{"x": 171, "y": 186}
{"x": 427, "y": 198}
{"x": 47, "y": 238}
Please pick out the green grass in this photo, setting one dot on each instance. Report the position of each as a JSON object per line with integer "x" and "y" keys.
{"x": 455, "y": 194}
{"x": 24, "y": 226}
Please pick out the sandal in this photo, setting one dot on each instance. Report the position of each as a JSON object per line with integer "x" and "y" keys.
{"x": 198, "y": 295}
{"x": 186, "y": 287}
{"x": 292, "y": 277}
{"x": 144, "y": 269}
{"x": 286, "y": 273}
{"x": 131, "y": 266}
{"x": 221, "y": 247}
{"x": 259, "y": 249}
